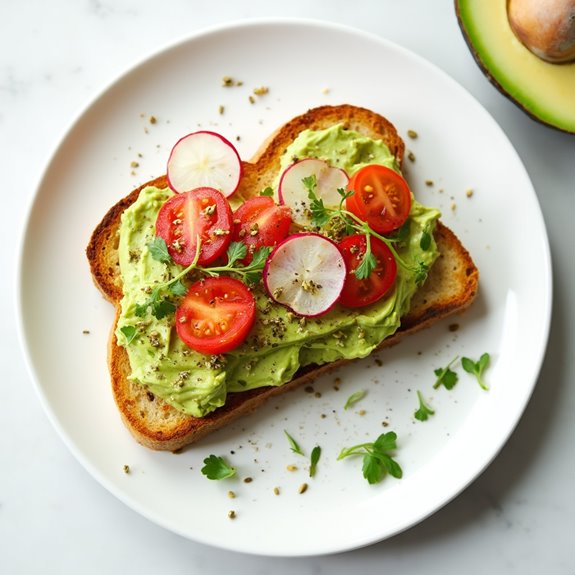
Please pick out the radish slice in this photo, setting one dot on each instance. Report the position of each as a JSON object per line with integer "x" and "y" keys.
{"x": 204, "y": 159}
{"x": 294, "y": 194}
{"x": 306, "y": 272}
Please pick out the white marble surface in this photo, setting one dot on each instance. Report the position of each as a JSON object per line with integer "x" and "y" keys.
{"x": 518, "y": 517}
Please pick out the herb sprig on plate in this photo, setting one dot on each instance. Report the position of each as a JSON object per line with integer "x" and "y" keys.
{"x": 377, "y": 461}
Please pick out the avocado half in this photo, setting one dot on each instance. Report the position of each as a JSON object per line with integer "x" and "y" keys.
{"x": 545, "y": 91}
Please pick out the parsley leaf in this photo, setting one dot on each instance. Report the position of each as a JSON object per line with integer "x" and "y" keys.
{"x": 315, "y": 455}
{"x": 129, "y": 332}
{"x": 367, "y": 265}
{"x": 354, "y": 398}
{"x": 267, "y": 192}
{"x": 445, "y": 376}
{"x": 159, "y": 307}
{"x": 477, "y": 368}
{"x": 259, "y": 258}
{"x": 294, "y": 446}
{"x": 424, "y": 411}
{"x": 163, "y": 308}
{"x": 386, "y": 441}
{"x": 377, "y": 462}
{"x": 159, "y": 250}
{"x": 344, "y": 195}
{"x": 178, "y": 288}
{"x": 322, "y": 214}
{"x": 216, "y": 468}
{"x": 236, "y": 251}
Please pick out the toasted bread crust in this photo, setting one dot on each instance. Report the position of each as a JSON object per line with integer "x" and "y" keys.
{"x": 450, "y": 288}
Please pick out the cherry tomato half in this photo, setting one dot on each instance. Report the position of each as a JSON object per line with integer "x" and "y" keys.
{"x": 261, "y": 222}
{"x": 359, "y": 293}
{"x": 216, "y": 315}
{"x": 381, "y": 197}
{"x": 203, "y": 213}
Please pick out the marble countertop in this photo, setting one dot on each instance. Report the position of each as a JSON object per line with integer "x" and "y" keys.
{"x": 517, "y": 517}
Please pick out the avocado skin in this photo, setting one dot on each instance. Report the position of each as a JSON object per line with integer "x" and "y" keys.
{"x": 489, "y": 75}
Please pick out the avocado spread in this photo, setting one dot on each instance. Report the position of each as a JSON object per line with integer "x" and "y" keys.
{"x": 280, "y": 342}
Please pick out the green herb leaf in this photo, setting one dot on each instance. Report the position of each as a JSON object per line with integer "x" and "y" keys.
{"x": 253, "y": 271}
{"x": 310, "y": 184}
{"x": 159, "y": 250}
{"x": 294, "y": 446}
{"x": 445, "y": 376}
{"x": 129, "y": 332}
{"x": 314, "y": 459}
{"x": 259, "y": 258}
{"x": 216, "y": 468}
{"x": 377, "y": 462}
{"x": 159, "y": 307}
{"x": 386, "y": 441}
{"x": 477, "y": 368}
{"x": 424, "y": 411}
{"x": 354, "y": 398}
{"x": 392, "y": 467}
{"x": 141, "y": 309}
{"x": 425, "y": 241}
{"x": 267, "y": 192}
{"x": 236, "y": 251}
{"x": 372, "y": 469}
{"x": 178, "y": 288}
{"x": 344, "y": 194}
{"x": 163, "y": 308}
{"x": 253, "y": 278}
{"x": 319, "y": 214}
{"x": 367, "y": 265}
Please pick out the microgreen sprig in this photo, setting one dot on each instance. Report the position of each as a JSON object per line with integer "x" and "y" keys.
{"x": 477, "y": 368}
{"x": 216, "y": 468}
{"x": 377, "y": 462}
{"x": 251, "y": 273}
{"x": 321, "y": 215}
{"x": 354, "y": 398}
{"x": 161, "y": 306}
{"x": 314, "y": 457}
{"x": 446, "y": 376}
{"x": 424, "y": 411}
{"x": 294, "y": 445}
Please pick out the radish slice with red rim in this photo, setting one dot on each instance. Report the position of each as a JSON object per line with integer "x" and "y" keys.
{"x": 293, "y": 192}
{"x": 204, "y": 159}
{"x": 306, "y": 272}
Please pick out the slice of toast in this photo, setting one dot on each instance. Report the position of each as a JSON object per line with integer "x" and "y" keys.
{"x": 451, "y": 287}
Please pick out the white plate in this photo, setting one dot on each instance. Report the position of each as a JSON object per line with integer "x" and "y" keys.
{"x": 459, "y": 147}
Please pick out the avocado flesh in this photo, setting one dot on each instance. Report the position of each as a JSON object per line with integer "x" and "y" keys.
{"x": 543, "y": 90}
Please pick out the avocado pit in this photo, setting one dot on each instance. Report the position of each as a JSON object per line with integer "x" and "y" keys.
{"x": 545, "y": 27}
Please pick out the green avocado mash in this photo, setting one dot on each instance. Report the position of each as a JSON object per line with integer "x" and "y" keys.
{"x": 339, "y": 147}
{"x": 280, "y": 342}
